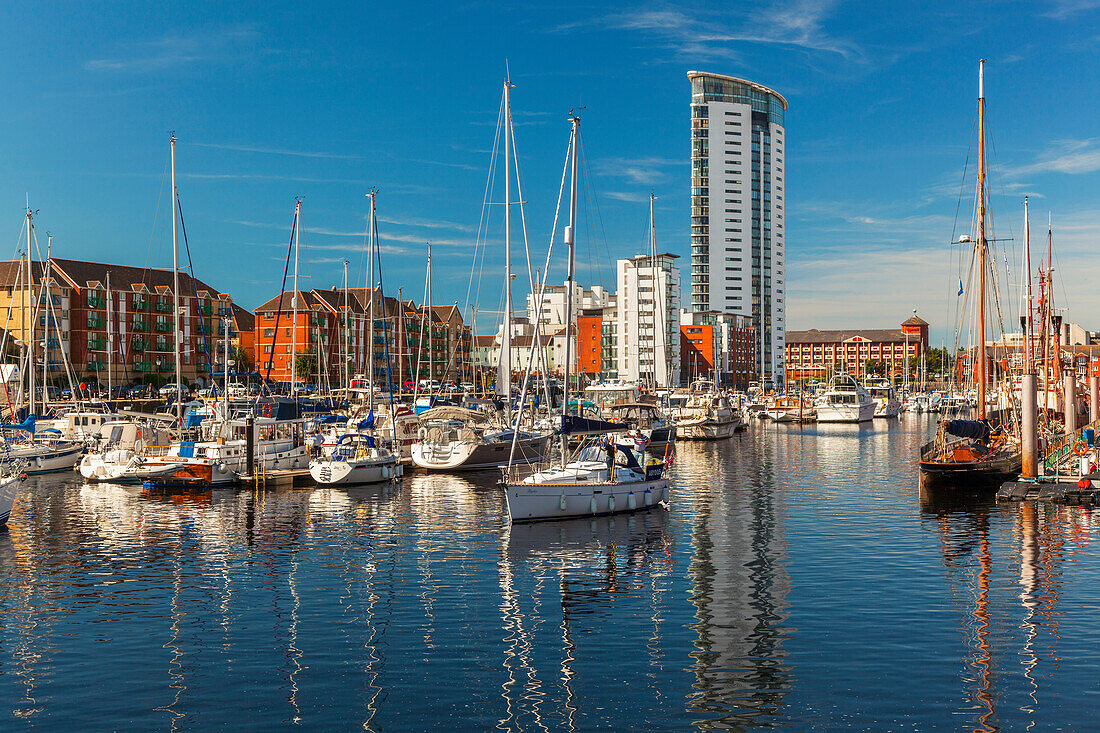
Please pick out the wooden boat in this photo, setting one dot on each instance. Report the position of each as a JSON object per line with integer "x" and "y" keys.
{"x": 986, "y": 449}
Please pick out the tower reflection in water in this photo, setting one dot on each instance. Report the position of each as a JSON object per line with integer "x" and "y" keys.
{"x": 739, "y": 587}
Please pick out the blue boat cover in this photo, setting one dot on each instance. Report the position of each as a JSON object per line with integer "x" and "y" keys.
{"x": 575, "y": 425}
{"x": 977, "y": 429}
{"x": 367, "y": 422}
{"x": 187, "y": 449}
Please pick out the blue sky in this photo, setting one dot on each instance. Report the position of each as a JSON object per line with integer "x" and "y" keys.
{"x": 276, "y": 100}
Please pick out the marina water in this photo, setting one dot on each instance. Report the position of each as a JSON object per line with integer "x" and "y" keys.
{"x": 800, "y": 580}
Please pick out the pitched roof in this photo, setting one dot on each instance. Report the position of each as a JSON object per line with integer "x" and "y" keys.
{"x": 79, "y": 273}
{"x": 485, "y": 341}
{"x": 914, "y": 321}
{"x": 813, "y": 336}
{"x": 284, "y": 301}
{"x": 243, "y": 319}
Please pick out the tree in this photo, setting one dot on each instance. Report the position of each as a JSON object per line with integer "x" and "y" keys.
{"x": 305, "y": 364}
{"x": 243, "y": 359}
{"x": 874, "y": 367}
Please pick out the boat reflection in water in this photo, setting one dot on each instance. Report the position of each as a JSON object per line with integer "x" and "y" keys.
{"x": 561, "y": 583}
{"x": 971, "y": 534}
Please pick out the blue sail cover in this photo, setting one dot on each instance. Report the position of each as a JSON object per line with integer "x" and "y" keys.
{"x": 367, "y": 422}
{"x": 576, "y": 425}
{"x": 27, "y": 425}
{"x": 977, "y": 429}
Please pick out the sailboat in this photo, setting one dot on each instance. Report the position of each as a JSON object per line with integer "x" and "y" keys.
{"x": 988, "y": 448}
{"x": 359, "y": 457}
{"x": 43, "y": 453}
{"x": 605, "y": 477}
{"x": 457, "y": 438}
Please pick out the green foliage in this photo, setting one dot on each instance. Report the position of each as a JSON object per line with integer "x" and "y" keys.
{"x": 305, "y": 365}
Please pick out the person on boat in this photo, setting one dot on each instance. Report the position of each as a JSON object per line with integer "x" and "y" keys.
{"x": 609, "y": 449}
{"x": 315, "y": 444}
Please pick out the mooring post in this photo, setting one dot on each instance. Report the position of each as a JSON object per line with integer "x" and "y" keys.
{"x": 1029, "y": 436}
{"x": 1094, "y": 398}
{"x": 1070, "y": 401}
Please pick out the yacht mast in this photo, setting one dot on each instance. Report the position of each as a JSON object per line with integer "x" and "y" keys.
{"x": 980, "y": 366}
{"x": 1026, "y": 318}
{"x": 504, "y": 370}
{"x": 110, "y": 337}
{"x": 370, "y": 294}
{"x": 47, "y": 311}
{"x": 294, "y": 298}
{"x": 344, "y": 340}
{"x": 176, "y": 283}
{"x": 28, "y": 318}
{"x": 570, "y": 232}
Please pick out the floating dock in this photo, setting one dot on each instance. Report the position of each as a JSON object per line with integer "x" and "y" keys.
{"x": 279, "y": 477}
{"x": 1062, "y": 491}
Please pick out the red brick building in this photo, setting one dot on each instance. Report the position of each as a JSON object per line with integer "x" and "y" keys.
{"x": 817, "y": 353}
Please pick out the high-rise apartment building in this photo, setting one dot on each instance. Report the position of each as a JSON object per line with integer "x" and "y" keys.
{"x": 648, "y": 325}
{"x": 737, "y": 239}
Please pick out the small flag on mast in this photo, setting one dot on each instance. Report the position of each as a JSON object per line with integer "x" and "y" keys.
{"x": 960, "y": 286}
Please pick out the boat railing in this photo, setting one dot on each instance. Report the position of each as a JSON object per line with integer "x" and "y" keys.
{"x": 1060, "y": 448}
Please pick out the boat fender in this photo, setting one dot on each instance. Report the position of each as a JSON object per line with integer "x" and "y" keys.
{"x": 386, "y": 472}
{"x": 38, "y": 461}
{"x": 648, "y": 497}
{"x": 222, "y": 468}
{"x": 561, "y": 503}
{"x": 631, "y": 502}
{"x": 592, "y": 505}
{"x": 663, "y": 497}
{"x": 611, "y": 503}
{"x": 1080, "y": 448}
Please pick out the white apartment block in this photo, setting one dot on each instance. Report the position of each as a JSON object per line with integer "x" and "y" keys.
{"x": 737, "y": 207}
{"x": 648, "y": 320}
{"x": 553, "y": 309}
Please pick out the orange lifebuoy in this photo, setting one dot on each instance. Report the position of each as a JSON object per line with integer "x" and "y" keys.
{"x": 267, "y": 410}
{"x": 1080, "y": 448}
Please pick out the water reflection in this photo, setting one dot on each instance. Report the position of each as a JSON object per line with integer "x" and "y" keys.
{"x": 739, "y": 589}
{"x": 977, "y": 538}
{"x": 400, "y": 607}
{"x": 559, "y": 582}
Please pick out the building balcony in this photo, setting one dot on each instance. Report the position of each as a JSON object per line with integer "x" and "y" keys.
{"x": 94, "y": 365}
{"x": 97, "y": 323}
{"x": 144, "y": 366}
{"x": 165, "y": 367}
{"x": 140, "y": 324}
{"x": 206, "y": 310}
{"x": 164, "y": 306}
{"x": 140, "y": 304}
{"x": 97, "y": 344}
{"x": 139, "y": 345}
{"x": 96, "y": 301}
{"x": 162, "y": 345}
{"x": 164, "y": 326}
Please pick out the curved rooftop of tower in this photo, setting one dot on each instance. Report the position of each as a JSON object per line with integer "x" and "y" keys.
{"x": 707, "y": 87}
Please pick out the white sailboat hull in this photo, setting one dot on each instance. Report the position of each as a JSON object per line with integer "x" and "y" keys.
{"x": 853, "y": 413}
{"x": 355, "y": 472}
{"x": 470, "y": 456}
{"x": 534, "y": 502}
{"x": 9, "y": 491}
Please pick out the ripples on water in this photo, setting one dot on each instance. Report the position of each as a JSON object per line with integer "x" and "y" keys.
{"x": 800, "y": 580}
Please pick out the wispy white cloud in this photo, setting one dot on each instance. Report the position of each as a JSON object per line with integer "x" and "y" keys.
{"x": 425, "y": 223}
{"x": 701, "y": 33}
{"x": 280, "y": 151}
{"x": 634, "y": 198}
{"x": 638, "y": 170}
{"x": 1063, "y": 9}
{"x": 175, "y": 50}
{"x": 1064, "y": 156}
